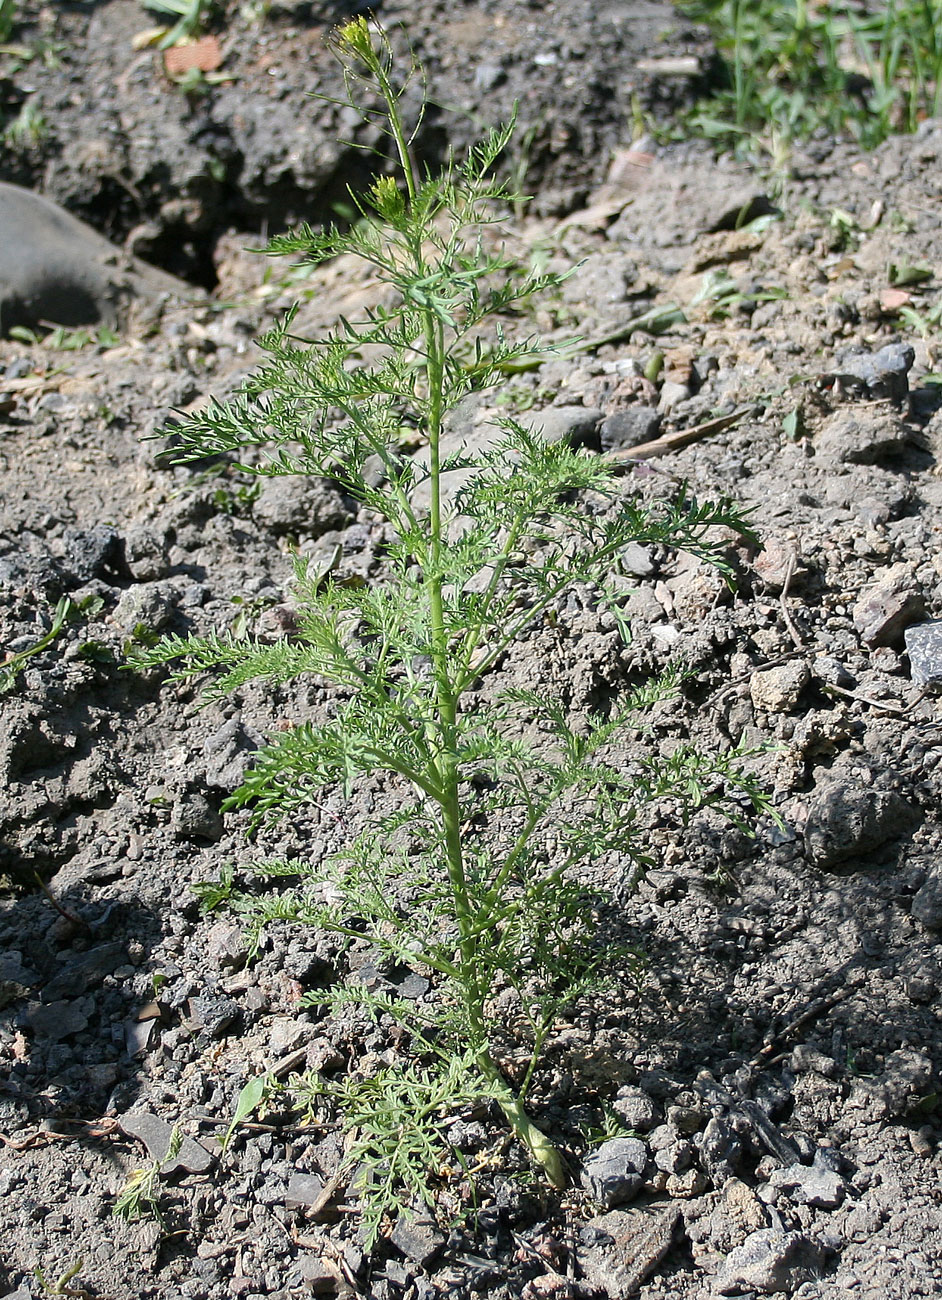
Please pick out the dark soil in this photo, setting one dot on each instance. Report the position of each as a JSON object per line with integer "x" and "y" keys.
{"x": 780, "y": 1060}
{"x": 168, "y": 173}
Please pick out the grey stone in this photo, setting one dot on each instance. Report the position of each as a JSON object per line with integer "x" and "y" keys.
{"x": 145, "y": 553}
{"x": 90, "y": 553}
{"x": 194, "y": 818}
{"x": 822, "y": 1189}
{"x": 830, "y": 670}
{"x": 639, "y": 1240}
{"x": 636, "y": 1109}
{"x": 142, "y": 608}
{"x": 777, "y": 690}
{"x": 468, "y": 435}
{"x": 721, "y": 1150}
{"x": 155, "y": 1133}
{"x": 226, "y": 945}
{"x": 417, "y": 1239}
{"x": 805, "y": 1057}
{"x": 413, "y": 987}
{"x": 884, "y": 373}
{"x": 907, "y": 1076}
{"x": 277, "y": 622}
{"x": 676, "y": 1158}
{"x": 55, "y": 268}
{"x": 686, "y": 1119}
{"x": 613, "y": 1174}
{"x": 906, "y": 1079}
{"x": 286, "y": 1033}
{"x": 736, "y": 1213}
{"x": 488, "y": 76}
{"x": 861, "y": 437}
{"x": 321, "y": 1276}
{"x": 872, "y": 512}
{"x": 920, "y": 989}
{"x": 848, "y": 821}
{"x": 635, "y": 559}
{"x": 923, "y": 643}
{"x": 88, "y": 969}
{"x": 926, "y": 906}
{"x": 660, "y": 1138}
{"x": 213, "y": 1013}
{"x": 829, "y": 1158}
{"x": 601, "y": 280}
{"x": 15, "y": 978}
{"x": 576, "y": 425}
{"x": 137, "y": 1035}
{"x": 630, "y": 427}
{"x": 303, "y": 1190}
{"x": 399, "y": 1274}
{"x": 672, "y": 394}
{"x": 307, "y": 506}
{"x": 886, "y": 608}
{"x": 779, "y": 562}
{"x": 229, "y": 752}
{"x": 56, "y": 1020}
{"x": 771, "y": 1262}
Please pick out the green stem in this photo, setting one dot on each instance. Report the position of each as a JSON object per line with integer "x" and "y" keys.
{"x": 533, "y": 1138}
{"x": 444, "y": 730}
{"x": 11, "y": 666}
{"x": 398, "y": 131}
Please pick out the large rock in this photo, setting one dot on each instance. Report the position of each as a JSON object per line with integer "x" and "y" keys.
{"x": 306, "y": 507}
{"x": 55, "y": 269}
{"x": 156, "y": 1134}
{"x": 806, "y": 1185}
{"x": 885, "y": 609}
{"x": 777, "y": 690}
{"x": 613, "y": 1174}
{"x": 575, "y": 425}
{"x": 418, "y": 1239}
{"x": 771, "y": 1262}
{"x": 849, "y": 821}
{"x": 622, "y": 1249}
{"x": 862, "y": 437}
{"x": 884, "y": 374}
{"x": 927, "y": 902}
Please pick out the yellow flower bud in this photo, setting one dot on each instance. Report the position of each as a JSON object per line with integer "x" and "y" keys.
{"x": 354, "y": 38}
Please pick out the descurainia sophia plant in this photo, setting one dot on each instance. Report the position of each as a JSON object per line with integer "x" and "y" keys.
{"x": 474, "y": 879}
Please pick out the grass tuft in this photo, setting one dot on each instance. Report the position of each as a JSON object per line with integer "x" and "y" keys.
{"x": 792, "y": 69}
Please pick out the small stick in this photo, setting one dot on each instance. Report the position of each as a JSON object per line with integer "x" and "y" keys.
{"x": 811, "y": 1012}
{"x": 329, "y": 1190}
{"x": 104, "y": 1127}
{"x": 901, "y": 710}
{"x": 674, "y": 441}
{"x": 63, "y": 911}
{"x": 326, "y": 1194}
{"x": 783, "y": 602}
{"x": 26, "y": 1142}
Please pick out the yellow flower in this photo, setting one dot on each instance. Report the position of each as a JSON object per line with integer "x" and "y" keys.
{"x": 387, "y": 199}
{"x": 354, "y": 38}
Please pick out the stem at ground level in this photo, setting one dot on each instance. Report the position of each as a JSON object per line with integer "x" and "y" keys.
{"x": 546, "y": 1155}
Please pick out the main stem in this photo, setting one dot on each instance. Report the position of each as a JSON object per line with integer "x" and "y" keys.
{"x": 447, "y": 694}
